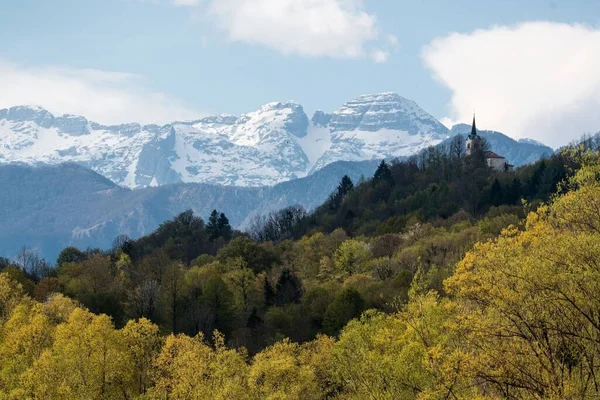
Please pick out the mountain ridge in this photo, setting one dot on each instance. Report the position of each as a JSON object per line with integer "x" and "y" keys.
{"x": 274, "y": 144}
{"x": 50, "y": 207}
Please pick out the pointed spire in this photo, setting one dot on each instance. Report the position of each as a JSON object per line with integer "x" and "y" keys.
{"x": 474, "y": 127}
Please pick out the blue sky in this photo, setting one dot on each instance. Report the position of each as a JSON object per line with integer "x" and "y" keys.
{"x": 206, "y": 56}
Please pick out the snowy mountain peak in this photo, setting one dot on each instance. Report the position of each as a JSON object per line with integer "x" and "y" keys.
{"x": 35, "y": 114}
{"x": 223, "y": 119}
{"x": 69, "y": 124}
{"x": 372, "y": 112}
{"x": 271, "y": 119}
{"x": 273, "y": 144}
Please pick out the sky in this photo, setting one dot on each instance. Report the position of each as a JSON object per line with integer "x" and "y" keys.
{"x": 528, "y": 68}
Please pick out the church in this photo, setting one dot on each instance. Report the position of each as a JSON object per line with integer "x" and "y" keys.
{"x": 493, "y": 160}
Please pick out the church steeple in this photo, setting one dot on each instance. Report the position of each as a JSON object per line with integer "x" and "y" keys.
{"x": 473, "y": 137}
{"x": 473, "y": 128}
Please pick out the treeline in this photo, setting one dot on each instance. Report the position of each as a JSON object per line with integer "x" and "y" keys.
{"x": 517, "y": 318}
{"x": 435, "y": 184}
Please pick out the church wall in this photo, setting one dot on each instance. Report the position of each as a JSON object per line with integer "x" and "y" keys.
{"x": 496, "y": 163}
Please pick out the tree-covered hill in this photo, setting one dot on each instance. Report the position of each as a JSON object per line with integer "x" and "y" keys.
{"x": 306, "y": 304}
{"x": 419, "y": 314}
{"x": 436, "y": 184}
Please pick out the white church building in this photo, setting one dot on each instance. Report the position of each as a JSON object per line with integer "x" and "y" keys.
{"x": 493, "y": 160}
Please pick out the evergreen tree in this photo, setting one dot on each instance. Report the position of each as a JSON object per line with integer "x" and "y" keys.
{"x": 345, "y": 186}
{"x": 336, "y": 198}
{"x": 213, "y": 225}
{"x": 223, "y": 227}
{"x": 269, "y": 293}
{"x": 514, "y": 192}
{"x": 289, "y": 288}
{"x": 383, "y": 173}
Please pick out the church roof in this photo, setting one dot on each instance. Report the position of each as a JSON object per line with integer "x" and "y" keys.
{"x": 491, "y": 154}
{"x": 473, "y": 134}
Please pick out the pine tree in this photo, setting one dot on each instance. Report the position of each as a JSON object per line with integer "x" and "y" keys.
{"x": 289, "y": 288}
{"x": 383, "y": 173}
{"x": 345, "y": 186}
{"x": 213, "y": 225}
{"x": 336, "y": 198}
{"x": 269, "y": 293}
{"x": 514, "y": 192}
{"x": 223, "y": 227}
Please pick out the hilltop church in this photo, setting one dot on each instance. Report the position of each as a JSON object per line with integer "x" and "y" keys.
{"x": 493, "y": 160}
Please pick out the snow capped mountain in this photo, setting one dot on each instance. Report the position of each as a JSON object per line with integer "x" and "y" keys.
{"x": 378, "y": 126}
{"x": 274, "y": 144}
{"x": 256, "y": 149}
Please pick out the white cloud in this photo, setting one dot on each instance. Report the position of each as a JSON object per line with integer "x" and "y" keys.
{"x": 449, "y": 122}
{"x": 313, "y": 28}
{"x": 536, "y": 79}
{"x": 105, "y": 97}
{"x": 331, "y": 28}
{"x": 380, "y": 56}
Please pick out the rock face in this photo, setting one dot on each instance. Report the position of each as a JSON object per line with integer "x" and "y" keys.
{"x": 379, "y": 126}
{"x": 276, "y": 143}
{"x": 385, "y": 111}
{"x": 321, "y": 119}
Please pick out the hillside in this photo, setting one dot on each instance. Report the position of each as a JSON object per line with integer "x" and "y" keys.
{"x": 51, "y": 207}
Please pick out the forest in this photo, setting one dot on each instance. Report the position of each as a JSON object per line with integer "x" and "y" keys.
{"x": 436, "y": 278}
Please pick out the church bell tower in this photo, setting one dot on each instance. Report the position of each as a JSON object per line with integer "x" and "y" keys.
{"x": 472, "y": 138}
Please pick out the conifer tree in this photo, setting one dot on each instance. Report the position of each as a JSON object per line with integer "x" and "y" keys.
{"x": 269, "y": 293}
{"x": 223, "y": 227}
{"x": 213, "y": 224}
{"x": 289, "y": 288}
{"x": 383, "y": 173}
{"x": 345, "y": 186}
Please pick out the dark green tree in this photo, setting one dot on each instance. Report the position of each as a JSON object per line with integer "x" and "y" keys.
{"x": 213, "y": 225}
{"x": 218, "y": 311}
{"x": 288, "y": 288}
{"x": 496, "y": 193}
{"x": 347, "y": 305}
{"x": 345, "y": 186}
{"x": 223, "y": 227}
{"x": 269, "y": 293}
{"x": 514, "y": 192}
{"x": 253, "y": 255}
{"x": 383, "y": 173}
{"x": 70, "y": 255}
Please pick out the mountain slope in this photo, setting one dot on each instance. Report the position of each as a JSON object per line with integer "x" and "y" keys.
{"x": 51, "y": 207}
{"x": 379, "y": 126}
